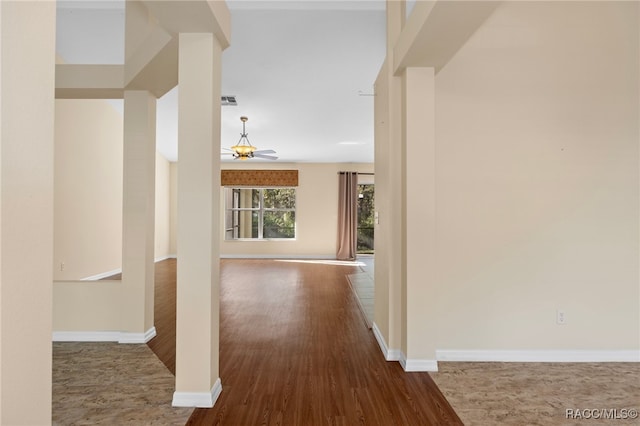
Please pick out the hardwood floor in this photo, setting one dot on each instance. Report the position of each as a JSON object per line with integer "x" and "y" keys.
{"x": 164, "y": 344}
{"x": 294, "y": 351}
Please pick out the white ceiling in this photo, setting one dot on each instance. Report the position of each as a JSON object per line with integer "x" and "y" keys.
{"x": 302, "y": 71}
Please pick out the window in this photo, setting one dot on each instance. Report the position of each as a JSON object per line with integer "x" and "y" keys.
{"x": 260, "y": 213}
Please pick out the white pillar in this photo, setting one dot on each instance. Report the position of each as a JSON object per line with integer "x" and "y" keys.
{"x": 419, "y": 292}
{"x": 27, "y": 74}
{"x": 138, "y": 220}
{"x": 198, "y": 285}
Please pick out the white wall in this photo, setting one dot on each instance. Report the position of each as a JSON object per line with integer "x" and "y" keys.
{"x": 537, "y": 181}
{"x": 316, "y": 212}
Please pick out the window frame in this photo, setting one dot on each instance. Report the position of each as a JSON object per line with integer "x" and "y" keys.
{"x": 234, "y": 212}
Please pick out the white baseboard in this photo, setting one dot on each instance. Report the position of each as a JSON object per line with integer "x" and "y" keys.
{"x": 198, "y": 399}
{"x": 119, "y": 270}
{"x": 279, "y": 256}
{"x": 102, "y": 275}
{"x": 412, "y": 365}
{"x": 104, "y": 336}
{"x": 126, "y": 337}
{"x": 389, "y": 354}
{"x": 161, "y": 258}
{"x": 538, "y": 356}
{"x": 394, "y": 355}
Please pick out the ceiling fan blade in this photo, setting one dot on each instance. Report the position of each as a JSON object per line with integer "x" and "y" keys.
{"x": 264, "y": 151}
{"x": 226, "y": 153}
{"x": 266, "y": 157}
{"x": 227, "y": 149}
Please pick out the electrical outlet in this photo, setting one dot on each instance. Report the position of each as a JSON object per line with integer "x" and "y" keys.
{"x": 561, "y": 317}
{"x": 61, "y": 266}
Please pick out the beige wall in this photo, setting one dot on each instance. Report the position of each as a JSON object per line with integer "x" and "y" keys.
{"x": 88, "y": 215}
{"x": 163, "y": 208}
{"x": 27, "y": 75}
{"x": 81, "y": 306}
{"x": 536, "y": 191}
{"x": 316, "y": 212}
{"x": 537, "y": 181}
{"x": 383, "y": 234}
{"x": 173, "y": 208}
{"x": 88, "y": 189}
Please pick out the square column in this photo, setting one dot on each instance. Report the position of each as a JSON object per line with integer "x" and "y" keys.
{"x": 27, "y": 74}
{"x": 419, "y": 201}
{"x": 198, "y": 240}
{"x": 389, "y": 241}
{"x": 138, "y": 220}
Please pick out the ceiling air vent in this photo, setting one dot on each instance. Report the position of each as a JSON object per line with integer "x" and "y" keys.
{"x": 229, "y": 101}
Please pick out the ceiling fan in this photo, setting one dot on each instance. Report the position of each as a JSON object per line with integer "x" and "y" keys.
{"x": 243, "y": 150}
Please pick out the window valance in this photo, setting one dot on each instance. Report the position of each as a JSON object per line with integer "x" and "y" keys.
{"x": 259, "y": 178}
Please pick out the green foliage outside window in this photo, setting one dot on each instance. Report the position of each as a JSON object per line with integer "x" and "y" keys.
{"x": 260, "y": 213}
{"x": 366, "y": 218}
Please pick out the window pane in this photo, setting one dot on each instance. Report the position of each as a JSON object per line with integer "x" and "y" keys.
{"x": 254, "y": 224}
{"x": 246, "y": 224}
{"x": 255, "y": 213}
{"x": 279, "y": 224}
{"x": 246, "y": 198}
{"x": 280, "y": 198}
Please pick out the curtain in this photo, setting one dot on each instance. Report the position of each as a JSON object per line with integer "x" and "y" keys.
{"x": 347, "y": 216}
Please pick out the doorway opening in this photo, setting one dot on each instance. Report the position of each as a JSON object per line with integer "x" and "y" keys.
{"x": 366, "y": 211}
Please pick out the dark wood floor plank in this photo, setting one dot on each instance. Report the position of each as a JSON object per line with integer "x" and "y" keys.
{"x": 164, "y": 344}
{"x": 294, "y": 351}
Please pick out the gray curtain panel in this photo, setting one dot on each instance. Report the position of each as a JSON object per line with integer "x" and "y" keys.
{"x": 347, "y": 216}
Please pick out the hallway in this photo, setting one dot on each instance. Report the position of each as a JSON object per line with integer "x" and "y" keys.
{"x": 294, "y": 350}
